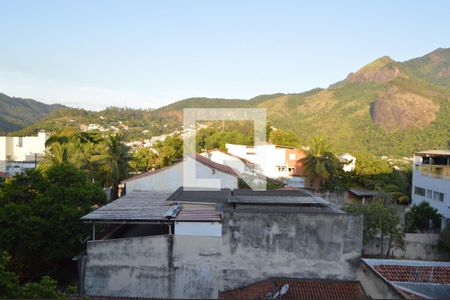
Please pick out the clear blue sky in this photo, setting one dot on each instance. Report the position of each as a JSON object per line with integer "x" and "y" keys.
{"x": 94, "y": 54}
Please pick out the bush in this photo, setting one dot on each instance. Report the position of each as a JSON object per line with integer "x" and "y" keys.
{"x": 422, "y": 218}
{"x": 9, "y": 282}
{"x": 44, "y": 289}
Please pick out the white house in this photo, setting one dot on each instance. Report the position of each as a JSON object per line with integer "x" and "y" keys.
{"x": 170, "y": 178}
{"x": 238, "y": 163}
{"x": 349, "y": 161}
{"x": 431, "y": 181}
{"x": 271, "y": 160}
{"x": 21, "y": 149}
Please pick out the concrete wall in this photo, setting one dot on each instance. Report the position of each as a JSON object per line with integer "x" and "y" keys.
{"x": 418, "y": 246}
{"x": 374, "y": 286}
{"x": 199, "y": 228}
{"x": 171, "y": 178}
{"x": 253, "y": 248}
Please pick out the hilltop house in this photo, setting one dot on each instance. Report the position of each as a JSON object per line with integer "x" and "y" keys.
{"x": 19, "y": 153}
{"x": 273, "y": 161}
{"x": 206, "y": 244}
{"x": 431, "y": 181}
{"x": 171, "y": 178}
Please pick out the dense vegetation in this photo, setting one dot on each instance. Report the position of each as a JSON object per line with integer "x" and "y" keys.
{"x": 17, "y": 113}
{"x": 41, "y": 230}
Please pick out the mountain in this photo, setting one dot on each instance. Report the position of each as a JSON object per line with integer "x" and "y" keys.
{"x": 19, "y": 112}
{"x": 385, "y": 108}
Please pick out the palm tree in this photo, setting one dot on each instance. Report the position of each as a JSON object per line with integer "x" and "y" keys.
{"x": 114, "y": 161}
{"x": 320, "y": 163}
{"x": 56, "y": 154}
{"x": 400, "y": 186}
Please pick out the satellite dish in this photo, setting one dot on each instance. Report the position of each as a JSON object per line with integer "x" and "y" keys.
{"x": 284, "y": 289}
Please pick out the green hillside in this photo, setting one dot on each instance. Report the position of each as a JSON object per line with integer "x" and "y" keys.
{"x": 385, "y": 108}
{"x": 17, "y": 113}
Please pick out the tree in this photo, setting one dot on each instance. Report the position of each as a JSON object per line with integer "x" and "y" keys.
{"x": 114, "y": 161}
{"x": 42, "y": 208}
{"x": 9, "y": 282}
{"x": 422, "y": 218}
{"x": 399, "y": 186}
{"x": 320, "y": 163}
{"x": 382, "y": 219}
{"x": 284, "y": 138}
{"x": 143, "y": 160}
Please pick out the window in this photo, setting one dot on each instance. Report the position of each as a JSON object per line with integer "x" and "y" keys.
{"x": 291, "y": 170}
{"x": 292, "y": 156}
{"x": 281, "y": 168}
{"x": 251, "y": 153}
{"x": 438, "y": 196}
{"x": 419, "y": 191}
{"x": 20, "y": 142}
{"x": 429, "y": 194}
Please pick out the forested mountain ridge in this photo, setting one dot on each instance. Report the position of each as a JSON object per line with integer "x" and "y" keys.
{"x": 385, "y": 108}
{"x": 16, "y": 113}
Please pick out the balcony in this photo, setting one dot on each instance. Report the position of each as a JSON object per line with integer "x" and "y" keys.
{"x": 435, "y": 171}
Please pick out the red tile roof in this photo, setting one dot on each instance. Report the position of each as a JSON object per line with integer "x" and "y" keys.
{"x": 299, "y": 289}
{"x": 423, "y": 274}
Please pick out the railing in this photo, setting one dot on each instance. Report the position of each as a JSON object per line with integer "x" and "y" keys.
{"x": 436, "y": 171}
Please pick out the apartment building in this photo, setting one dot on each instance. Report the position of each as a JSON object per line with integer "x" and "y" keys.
{"x": 20, "y": 152}
{"x": 431, "y": 181}
{"x": 271, "y": 160}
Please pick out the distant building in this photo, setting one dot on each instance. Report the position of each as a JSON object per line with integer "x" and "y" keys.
{"x": 272, "y": 161}
{"x": 19, "y": 153}
{"x": 170, "y": 178}
{"x": 349, "y": 161}
{"x": 231, "y": 160}
{"x": 431, "y": 181}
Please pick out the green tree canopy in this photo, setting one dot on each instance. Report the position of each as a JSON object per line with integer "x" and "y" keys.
{"x": 40, "y": 218}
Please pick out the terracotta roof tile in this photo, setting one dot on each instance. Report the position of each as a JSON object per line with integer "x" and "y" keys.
{"x": 299, "y": 289}
{"x": 423, "y": 274}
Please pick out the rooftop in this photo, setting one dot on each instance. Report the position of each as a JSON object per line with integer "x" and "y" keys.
{"x": 362, "y": 192}
{"x": 298, "y": 289}
{"x": 276, "y": 197}
{"x": 201, "y": 159}
{"x": 203, "y": 196}
{"x": 136, "y": 206}
{"x": 425, "y": 279}
{"x": 434, "y": 153}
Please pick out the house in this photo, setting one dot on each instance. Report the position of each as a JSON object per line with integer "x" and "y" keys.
{"x": 206, "y": 244}
{"x": 271, "y": 160}
{"x": 21, "y": 152}
{"x": 412, "y": 279}
{"x": 243, "y": 165}
{"x": 360, "y": 195}
{"x": 348, "y": 160}
{"x": 431, "y": 181}
{"x": 171, "y": 178}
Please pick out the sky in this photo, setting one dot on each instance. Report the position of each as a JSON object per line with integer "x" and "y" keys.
{"x": 147, "y": 54}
